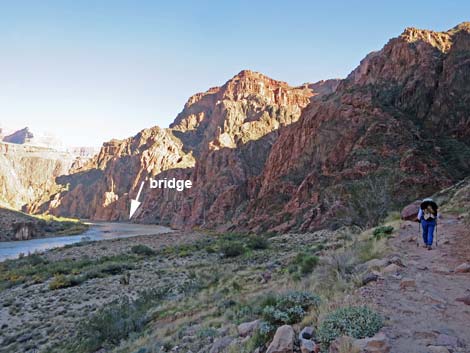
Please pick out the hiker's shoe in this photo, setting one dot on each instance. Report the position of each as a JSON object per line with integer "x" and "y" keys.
{"x": 429, "y": 247}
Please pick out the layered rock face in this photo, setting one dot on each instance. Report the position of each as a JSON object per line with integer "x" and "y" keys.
{"x": 390, "y": 133}
{"x": 266, "y": 156}
{"x": 100, "y": 188}
{"x": 28, "y": 173}
{"x": 219, "y": 141}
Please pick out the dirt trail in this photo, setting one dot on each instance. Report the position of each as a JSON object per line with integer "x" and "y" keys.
{"x": 428, "y": 314}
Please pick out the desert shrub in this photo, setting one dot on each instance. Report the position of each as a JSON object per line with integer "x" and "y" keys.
{"x": 278, "y": 309}
{"x": 35, "y": 269}
{"x": 382, "y": 232}
{"x": 259, "y": 338}
{"x": 393, "y": 216}
{"x": 206, "y": 332}
{"x": 288, "y": 308}
{"x": 232, "y": 248}
{"x": 304, "y": 263}
{"x": 318, "y": 247}
{"x": 115, "y": 322}
{"x": 143, "y": 250}
{"x": 61, "y": 281}
{"x": 370, "y": 249}
{"x": 357, "y": 322}
{"x": 237, "y": 286}
{"x": 258, "y": 243}
{"x": 308, "y": 263}
{"x": 107, "y": 269}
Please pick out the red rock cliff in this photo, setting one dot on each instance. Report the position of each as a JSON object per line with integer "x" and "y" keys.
{"x": 266, "y": 156}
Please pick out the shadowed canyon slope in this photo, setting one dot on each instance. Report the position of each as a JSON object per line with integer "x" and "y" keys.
{"x": 27, "y": 174}
{"x": 266, "y": 156}
{"x": 220, "y": 140}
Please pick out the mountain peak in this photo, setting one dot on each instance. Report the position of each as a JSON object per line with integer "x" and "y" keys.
{"x": 464, "y": 26}
{"x": 439, "y": 40}
{"x": 249, "y": 75}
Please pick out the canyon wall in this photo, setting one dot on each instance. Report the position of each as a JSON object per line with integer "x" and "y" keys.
{"x": 28, "y": 173}
{"x": 219, "y": 141}
{"x": 265, "y": 156}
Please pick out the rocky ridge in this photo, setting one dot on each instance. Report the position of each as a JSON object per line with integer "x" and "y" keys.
{"x": 264, "y": 156}
{"x": 219, "y": 141}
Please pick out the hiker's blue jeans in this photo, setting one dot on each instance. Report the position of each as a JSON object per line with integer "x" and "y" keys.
{"x": 428, "y": 231}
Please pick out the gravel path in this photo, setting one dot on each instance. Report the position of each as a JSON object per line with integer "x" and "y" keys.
{"x": 420, "y": 299}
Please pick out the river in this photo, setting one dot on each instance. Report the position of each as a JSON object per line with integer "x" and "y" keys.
{"x": 96, "y": 232}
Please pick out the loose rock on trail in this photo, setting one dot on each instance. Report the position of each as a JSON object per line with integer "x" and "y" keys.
{"x": 423, "y": 302}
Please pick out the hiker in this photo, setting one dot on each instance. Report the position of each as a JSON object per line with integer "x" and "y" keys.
{"x": 427, "y": 216}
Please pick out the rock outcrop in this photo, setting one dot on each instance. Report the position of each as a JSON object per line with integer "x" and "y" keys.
{"x": 28, "y": 173}
{"x": 220, "y": 141}
{"x": 264, "y": 156}
{"x": 283, "y": 340}
{"x": 379, "y": 141}
{"x": 16, "y": 225}
{"x": 19, "y": 137}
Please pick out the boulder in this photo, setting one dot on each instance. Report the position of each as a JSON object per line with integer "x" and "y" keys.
{"x": 343, "y": 344}
{"x": 437, "y": 349}
{"x": 306, "y": 340}
{"x": 369, "y": 277}
{"x": 306, "y": 333}
{"x": 376, "y": 263}
{"x": 283, "y": 341}
{"x": 391, "y": 269}
{"x": 376, "y": 344}
{"x": 407, "y": 283}
{"x": 463, "y": 268}
{"x": 220, "y": 344}
{"x": 465, "y": 300}
{"x": 410, "y": 212}
{"x": 447, "y": 340}
{"x": 247, "y": 328}
{"x": 397, "y": 261}
{"x": 308, "y": 346}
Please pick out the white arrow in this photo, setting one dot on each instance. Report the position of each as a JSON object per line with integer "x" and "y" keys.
{"x": 135, "y": 203}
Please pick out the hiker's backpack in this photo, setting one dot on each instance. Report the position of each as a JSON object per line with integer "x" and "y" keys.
{"x": 429, "y": 209}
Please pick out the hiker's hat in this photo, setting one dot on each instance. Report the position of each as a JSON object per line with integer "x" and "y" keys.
{"x": 428, "y": 202}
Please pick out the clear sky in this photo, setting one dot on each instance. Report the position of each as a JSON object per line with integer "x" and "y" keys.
{"x": 89, "y": 71}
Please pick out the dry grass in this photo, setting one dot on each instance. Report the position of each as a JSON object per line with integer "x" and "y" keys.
{"x": 232, "y": 285}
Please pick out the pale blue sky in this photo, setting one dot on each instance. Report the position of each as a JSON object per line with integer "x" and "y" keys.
{"x": 89, "y": 71}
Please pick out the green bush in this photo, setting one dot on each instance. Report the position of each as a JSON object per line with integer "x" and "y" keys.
{"x": 115, "y": 322}
{"x": 288, "y": 308}
{"x": 382, "y": 232}
{"x": 258, "y": 243}
{"x": 143, "y": 250}
{"x": 232, "y": 248}
{"x": 309, "y": 262}
{"x": 107, "y": 269}
{"x": 305, "y": 263}
{"x": 61, "y": 281}
{"x": 206, "y": 332}
{"x": 35, "y": 269}
{"x": 357, "y": 322}
{"x": 260, "y": 337}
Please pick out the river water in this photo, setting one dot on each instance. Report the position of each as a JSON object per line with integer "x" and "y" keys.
{"x": 96, "y": 232}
